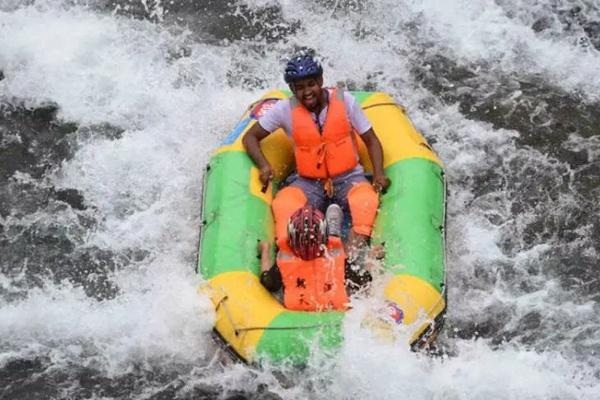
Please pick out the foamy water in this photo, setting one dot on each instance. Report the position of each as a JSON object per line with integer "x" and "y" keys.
{"x": 514, "y": 329}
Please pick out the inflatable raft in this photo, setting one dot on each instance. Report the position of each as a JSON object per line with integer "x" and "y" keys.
{"x": 236, "y": 215}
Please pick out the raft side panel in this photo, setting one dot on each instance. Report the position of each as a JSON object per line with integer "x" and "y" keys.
{"x": 234, "y": 220}
{"x": 410, "y": 221}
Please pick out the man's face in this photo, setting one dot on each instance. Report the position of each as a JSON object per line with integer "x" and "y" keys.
{"x": 308, "y": 91}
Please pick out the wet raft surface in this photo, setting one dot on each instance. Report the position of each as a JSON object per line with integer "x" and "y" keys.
{"x": 105, "y": 127}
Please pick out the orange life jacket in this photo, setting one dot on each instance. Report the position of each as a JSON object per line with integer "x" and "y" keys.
{"x": 325, "y": 154}
{"x": 315, "y": 285}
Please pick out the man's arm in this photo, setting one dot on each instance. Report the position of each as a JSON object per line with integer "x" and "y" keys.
{"x": 251, "y": 142}
{"x": 362, "y": 125}
{"x": 380, "y": 181}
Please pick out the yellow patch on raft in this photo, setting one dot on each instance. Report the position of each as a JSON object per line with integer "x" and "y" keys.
{"x": 241, "y": 302}
{"x": 400, "y": 140}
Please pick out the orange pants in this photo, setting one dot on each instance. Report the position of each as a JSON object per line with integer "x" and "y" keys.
{"x": 362, "y": 202}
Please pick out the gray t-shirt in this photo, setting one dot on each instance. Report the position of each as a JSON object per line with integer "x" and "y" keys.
{"x": 280, "y": 116}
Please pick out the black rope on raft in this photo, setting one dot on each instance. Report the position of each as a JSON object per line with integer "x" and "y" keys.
{"x": 383, "y": 104}
{"x": 284, "y": 328}
{"x": 221, "y": 302}
{"x": 237, "y": 331}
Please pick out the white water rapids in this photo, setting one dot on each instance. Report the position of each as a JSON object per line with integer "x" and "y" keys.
{"x": 173, "y": 91}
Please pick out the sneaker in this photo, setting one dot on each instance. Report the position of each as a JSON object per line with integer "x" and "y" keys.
{"x": 335, "y": 218}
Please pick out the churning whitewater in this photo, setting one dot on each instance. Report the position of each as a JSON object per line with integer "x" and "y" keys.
{"x": 109, "y": 111}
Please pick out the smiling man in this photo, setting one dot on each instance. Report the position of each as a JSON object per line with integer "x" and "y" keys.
{"x": 321, "y": 123}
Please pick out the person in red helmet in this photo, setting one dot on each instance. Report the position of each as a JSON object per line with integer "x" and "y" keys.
{"x": 311, "y": 265}
{"x": 323, "y": 124}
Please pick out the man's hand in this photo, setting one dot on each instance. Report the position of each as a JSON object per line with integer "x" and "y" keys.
{"x": 381, "y": 183}
{"x": 265, "y": 176}
{"x": 251, "y": 142}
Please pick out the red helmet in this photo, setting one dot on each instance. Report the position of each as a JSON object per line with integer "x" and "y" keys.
{"x": 307, "y": 232}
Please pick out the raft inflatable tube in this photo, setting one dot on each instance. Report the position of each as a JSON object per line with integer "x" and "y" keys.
{"x": 236, "y": 215}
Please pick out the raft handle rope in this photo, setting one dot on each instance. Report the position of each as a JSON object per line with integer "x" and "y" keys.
{"x": 284, "y": 328}
{"x": 237, "y": 330}
{"x": 221, "y": 302}
{"x": 385, "y": 104}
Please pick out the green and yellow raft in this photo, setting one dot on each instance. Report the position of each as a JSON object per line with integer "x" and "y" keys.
{"x": 236, "y": 215}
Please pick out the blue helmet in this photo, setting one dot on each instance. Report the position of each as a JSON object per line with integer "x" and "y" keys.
{"x": 300, "y": 67}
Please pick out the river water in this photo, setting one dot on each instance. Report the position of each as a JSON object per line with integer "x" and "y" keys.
{"x": 109, "y": 111}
